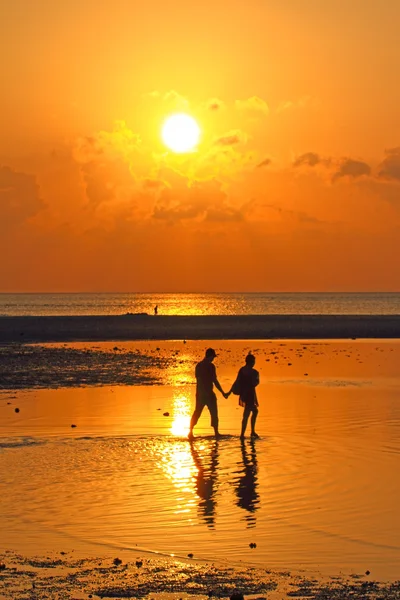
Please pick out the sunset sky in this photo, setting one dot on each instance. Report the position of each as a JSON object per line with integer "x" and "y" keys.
{"x": 294, "y": 185}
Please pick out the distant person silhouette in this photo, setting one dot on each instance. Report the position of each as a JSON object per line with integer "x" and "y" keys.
{"x": 205, "y": 482}
{"x": 206, "y": 378}
{"x": 156, "y": 309}
{"x": 245, "y": 385}
{"x": 246, "y": 483}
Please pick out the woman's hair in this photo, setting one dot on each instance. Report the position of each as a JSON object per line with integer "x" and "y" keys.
{"x": 250, "y": 359}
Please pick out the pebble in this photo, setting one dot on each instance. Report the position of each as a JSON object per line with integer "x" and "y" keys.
{"x": 253, "y": 545}
{"x": 190, "y": 555}
{"x": 117, "y": 561}
{"x": 17, "y": 410}
{"x": 139, "y": 563}
{"x": 237, "y": 596}
{"x": 367, "y": 572}
{"x": 73, "y": 425}
{"x": 166, "y": 414}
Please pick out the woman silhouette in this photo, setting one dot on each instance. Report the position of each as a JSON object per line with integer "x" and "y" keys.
{"x": 246, "y": 382}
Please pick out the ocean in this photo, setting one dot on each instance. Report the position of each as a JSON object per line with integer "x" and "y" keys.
{"x": 263, "y": 303}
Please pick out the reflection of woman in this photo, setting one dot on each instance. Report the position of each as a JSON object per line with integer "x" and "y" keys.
{"x": 246, "y": 489}
{"x": 246, "y": 382}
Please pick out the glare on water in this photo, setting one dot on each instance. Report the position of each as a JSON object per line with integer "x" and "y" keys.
{"x": 316, "y": 491}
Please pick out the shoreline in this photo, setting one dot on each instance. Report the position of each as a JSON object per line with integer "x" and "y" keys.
{"x": 30, "y": 329}
{"x": 134, "y": 574}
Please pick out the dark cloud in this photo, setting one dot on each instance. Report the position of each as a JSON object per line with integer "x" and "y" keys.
{"x": 295, "y": 215}
{"x": 215, "y": 104}
{"x": 232, "y": 138}
{"x": 153, "y": 184}
{"x": 178, "y": 213}
{"x": 107, "y": 180}
{"x": 310, "y": 159}
{"x": 352, "y": 168}
{"x": 19, "y": 197}
{"x": 224, "y": 215}
{"x": 390, "y": 166}
{"x": 203, "y": 201}
{"x": 264, "y": 163}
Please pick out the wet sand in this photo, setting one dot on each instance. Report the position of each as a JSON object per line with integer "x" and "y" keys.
{"x": 331, "y": 391}
{"x": 169, "y": 362}
{"x": 149, "y": 327}
{"x": 68, "y": 576}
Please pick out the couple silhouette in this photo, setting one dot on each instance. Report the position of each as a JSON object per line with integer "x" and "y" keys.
{"x": 244, "y": 386}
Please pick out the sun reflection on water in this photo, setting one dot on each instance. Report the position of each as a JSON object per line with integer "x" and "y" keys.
{"x": 181, "y": 405}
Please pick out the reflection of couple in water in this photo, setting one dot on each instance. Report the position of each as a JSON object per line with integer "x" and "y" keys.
{"x": 206, "y": 481}
{"x": 244, "y": 386}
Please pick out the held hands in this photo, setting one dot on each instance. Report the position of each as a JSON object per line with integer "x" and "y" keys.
{"x": 226, "y": 394}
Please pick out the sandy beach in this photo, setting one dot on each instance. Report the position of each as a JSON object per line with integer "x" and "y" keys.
{"x": 240, "y": 327}
{"x": 316, "y": 493}
{"x": 68, "y": 576}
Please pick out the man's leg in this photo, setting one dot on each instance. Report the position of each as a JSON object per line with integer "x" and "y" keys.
{"x": 195, "y": 416}
{"x": 253, "y": 422}
{"x": 246, "y": 414}
{"x": 213, "y": 408}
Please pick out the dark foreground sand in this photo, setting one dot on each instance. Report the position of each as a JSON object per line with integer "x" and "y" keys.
{"x": 146, "y": 327}
{"x": 137, "y": 576}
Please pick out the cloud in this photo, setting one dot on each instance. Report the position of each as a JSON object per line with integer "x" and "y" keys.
{"x": 152, "y": 184}
{"x": 176, "y": 100}
{"x": 346, "y": 167}
{"x": 264, "y": 163}
{"x": 303, "y": 102}
{"x": 310, "y": 159}
{"x": 19, "y": 197}
{"x": 390, "y": 166}
{"x": 231, "y": 138}
{"x": 352, "y": 168}
{"x": 253, "y": 104}
{"x": 215, "y": 104}
{"x": 224, "y": 215}
{"x": 121, "y": 141}
{"x": 202, "y": 201}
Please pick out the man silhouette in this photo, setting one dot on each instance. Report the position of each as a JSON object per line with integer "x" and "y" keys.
{"x": 206, "y": 378}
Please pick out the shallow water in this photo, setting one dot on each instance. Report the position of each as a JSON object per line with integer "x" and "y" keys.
{"x": 319, "y": 490}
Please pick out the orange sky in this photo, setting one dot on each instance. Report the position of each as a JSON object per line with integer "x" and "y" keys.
{"x": 295, "y": 184}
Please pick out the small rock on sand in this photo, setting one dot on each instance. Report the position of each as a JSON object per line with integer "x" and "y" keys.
{"x": 17, "y": 410}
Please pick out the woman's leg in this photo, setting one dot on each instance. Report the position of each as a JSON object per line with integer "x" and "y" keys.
{"x": 246, "y": 414}
{"x": 253, "y": 421}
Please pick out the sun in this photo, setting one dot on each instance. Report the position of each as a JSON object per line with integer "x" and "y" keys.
{"x": 180, "y": 133}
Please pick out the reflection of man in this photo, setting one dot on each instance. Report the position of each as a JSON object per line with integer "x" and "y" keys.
{"x": 247, "y": 483}
{"x": 206, "y": 378}
{"x": 205, "y": 483}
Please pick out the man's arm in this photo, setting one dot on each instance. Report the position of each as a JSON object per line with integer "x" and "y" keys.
{"x": 217, "y": 385}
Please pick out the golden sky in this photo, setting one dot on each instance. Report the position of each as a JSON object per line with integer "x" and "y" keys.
{"x": 295, "y": 184}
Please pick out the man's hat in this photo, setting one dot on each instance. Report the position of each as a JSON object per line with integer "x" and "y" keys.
{"x": 211, "y": 352}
